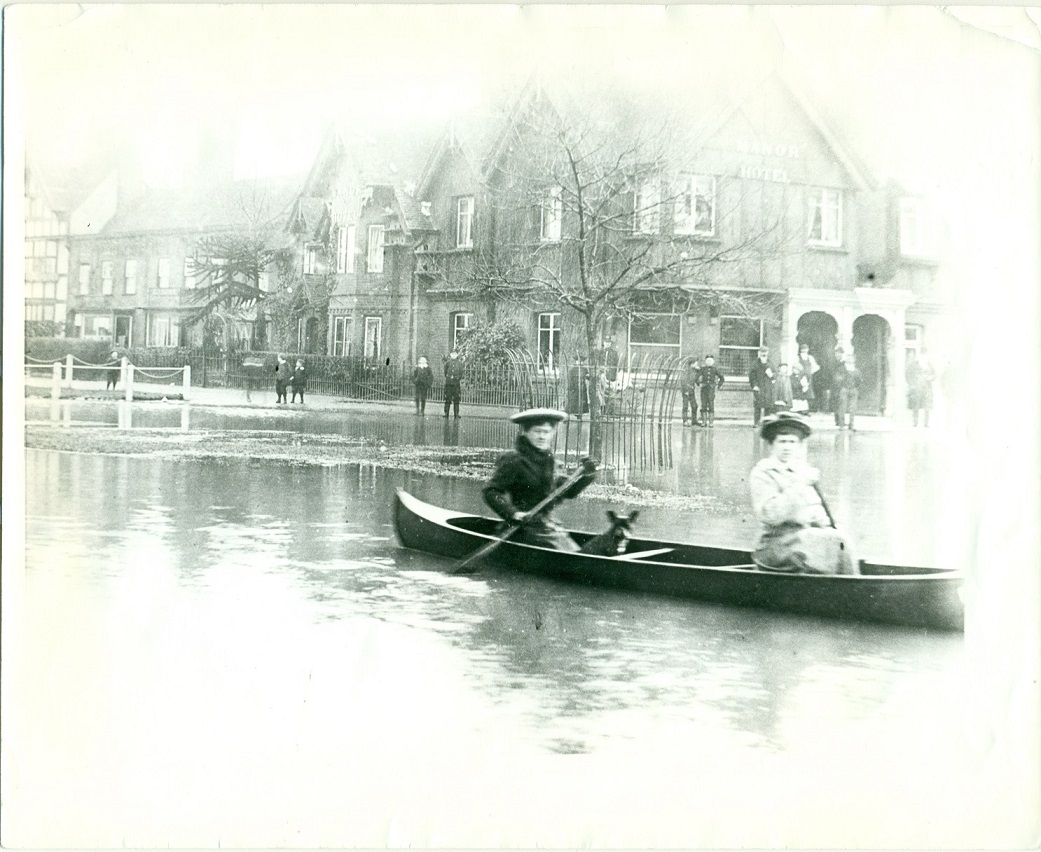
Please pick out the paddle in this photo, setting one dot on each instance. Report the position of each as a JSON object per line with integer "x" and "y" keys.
{"x": 831, "y": 519}
{"x": 540, "y": 507}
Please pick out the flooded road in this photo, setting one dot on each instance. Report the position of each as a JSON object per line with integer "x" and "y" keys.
{"x": 239, "y": 653}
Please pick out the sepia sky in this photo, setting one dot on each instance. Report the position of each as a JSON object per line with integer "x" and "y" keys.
{"x": 91, "y": 82}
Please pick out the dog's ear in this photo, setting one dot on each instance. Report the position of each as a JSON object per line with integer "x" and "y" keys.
{"x": 634, "y": 516}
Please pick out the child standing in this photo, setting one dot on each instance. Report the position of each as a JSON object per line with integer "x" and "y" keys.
{"x": 689, "y": 381}
{"x": 297, "y": 381}
{"x": 711, "y": 381}
{"x": 422, "y": 381}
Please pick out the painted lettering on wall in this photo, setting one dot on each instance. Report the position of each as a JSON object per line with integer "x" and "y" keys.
{"x": 763, "y": 173}
{"x": 762, "y": 149}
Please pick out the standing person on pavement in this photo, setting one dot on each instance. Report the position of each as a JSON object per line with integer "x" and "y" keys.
{"x": 283, "y": 373}
{"x": 453, "y": 382}
{"x": 783, "y": 398}
{"x": 422, "y": 381}
{"x": 690, "y": 379}
{"x": 803, "y": 371}
{"x": 920, "y": 378}
{"x": 297, "y": 380}
{"x": 112, "y": 373}
{"x": 527, "y": 475}
{"x": 761, "y": 379}
{"x": 711, "y": 379}
{"x": 845, "y": 382}
{"x": 797, "y": 533}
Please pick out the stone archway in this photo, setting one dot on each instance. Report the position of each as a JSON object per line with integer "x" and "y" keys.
{"x": 871, "y": 344}
{"x": 819, "y": 330}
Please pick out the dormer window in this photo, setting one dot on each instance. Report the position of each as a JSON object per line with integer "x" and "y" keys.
{"x": 464, "y": 222}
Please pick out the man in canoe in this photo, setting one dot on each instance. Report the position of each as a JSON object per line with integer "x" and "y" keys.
{"x": 526, "y": 476}
{"x": 798, "y": 534}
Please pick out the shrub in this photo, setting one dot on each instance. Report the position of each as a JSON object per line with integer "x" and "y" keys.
{"x": 489, "y": 345}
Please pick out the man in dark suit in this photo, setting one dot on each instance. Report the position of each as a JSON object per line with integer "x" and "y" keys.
{"x": 761, "y": 380}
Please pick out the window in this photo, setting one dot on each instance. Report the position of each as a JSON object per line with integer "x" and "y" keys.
{"x": 341, "y": 250}
{"x": 825, "y": 217}
{"x": 301, "y": 335}
{"x": 552, "y": 213}
{"x": 373, "y": 332}
{"x": 352, "y": 248}
{"x": 374, "y": 258}
{"x": 97, "y": 325}
{"x": 460, "y": 326}
{"x": 464, "y": 222}
{"x": 106, "y": 277}
{"x": 130, "y": 277}
{"x": 549, "y": 339}
{"x": 163, "y": 273}
{"x": 189, "y": 274}
{"x": 696, "y": 206}
{"x": 341, "y": 336}
{"x": 917, "y": 229}
{"x": 656, "y": 333}
{"x": 163, "y": 330}
{"x": 310, "y": 258}
{"x": 646, "y": 213}
{"x": 84, "y": 279}
{"x": 739, "y": 342}
{"x": 912, "y": 342}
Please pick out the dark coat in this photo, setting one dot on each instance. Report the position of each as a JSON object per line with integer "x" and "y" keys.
{"x": 298, "y": 378}
{"x": 423, "y": 377}
{"x": 710, "y": 379}
{"x": 758, "y": 377}
{"x": 690, "y": 378}
{"x": 283, "y": 372}
{"x": 453, "y": 371}
{"x": 523, "y": 478}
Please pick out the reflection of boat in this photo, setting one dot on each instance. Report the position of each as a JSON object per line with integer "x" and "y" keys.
{"x": 920, "y": 597}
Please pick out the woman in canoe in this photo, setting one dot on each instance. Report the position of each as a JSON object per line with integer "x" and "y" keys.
{"x": 798, "y": 534}
{"x": 526, "y": 476}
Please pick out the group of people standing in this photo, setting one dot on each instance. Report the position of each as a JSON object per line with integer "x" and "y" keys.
{"x": 287, "y": 377}
{"x": 697, "y": 380}
{"x": 802, "y": 387}
{"x": 423, "y": 382}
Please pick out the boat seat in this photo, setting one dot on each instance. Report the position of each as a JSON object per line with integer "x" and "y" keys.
{"x": 643, "y": 554}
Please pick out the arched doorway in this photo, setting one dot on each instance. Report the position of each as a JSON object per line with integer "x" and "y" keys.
{"x": 820, "y": 332}
{"x": 871, "y": 340}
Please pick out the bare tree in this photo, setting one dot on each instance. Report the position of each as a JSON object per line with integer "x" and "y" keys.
{"x": 593, "y": 214}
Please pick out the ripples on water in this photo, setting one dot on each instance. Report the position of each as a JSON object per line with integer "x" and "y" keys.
{"x": 244, "y": 621}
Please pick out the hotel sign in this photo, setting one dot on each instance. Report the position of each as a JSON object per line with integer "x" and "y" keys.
{"x": 764, "y": 150}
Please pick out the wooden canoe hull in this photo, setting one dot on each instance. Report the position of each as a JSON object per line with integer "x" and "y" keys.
{"x": 916, "y": 597}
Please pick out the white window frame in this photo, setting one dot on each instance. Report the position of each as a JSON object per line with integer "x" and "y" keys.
{"x": 84, "y": 279}
{"x": 107, "y": 268}
{"x": 673, "y": 346}
{"x": 374, "y": 253}
{"x": 464, "y": 222}
{"x": 189, "y": 275}
{"x": 91, "y": 321}
{"x": 301, "y": 334}
{"x": 163, "y": 330}
{"x": 548, "y": 326}
{"x": 828, "y": 204}
{"x": 914, "y": 336}
{"x": 457, "y": 328}
{"x": 754, "y": 349}
{"x": 310, "y": 258}
{"x": 130, "y": 276}
{"x": 374, "y": 335}
{"x": 693, "y": 188}
{"x": 343, "y": 326}
{"x": 917, "y": 228}
{"x": 552, "y": 214}
{"x": 341, "y": 250}
{"x": 352, "y": 248}
{"x": 162, "y": 275}
{"x": 647, "y": 206}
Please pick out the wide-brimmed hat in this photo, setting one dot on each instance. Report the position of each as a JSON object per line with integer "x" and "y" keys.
{"x": 534, "y": 416}
{"x": 784, "y": 421}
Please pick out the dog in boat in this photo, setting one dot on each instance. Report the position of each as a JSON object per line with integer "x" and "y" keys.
{"x": 615, "y": 541}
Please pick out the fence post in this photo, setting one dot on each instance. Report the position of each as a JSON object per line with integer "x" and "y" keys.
{"x": 123, "y": 370}
{"x": 186, "y": 386}
{"x": 56, "y": 380}
{"x": 130, "y": 382}
{"x": 68, "y": 370}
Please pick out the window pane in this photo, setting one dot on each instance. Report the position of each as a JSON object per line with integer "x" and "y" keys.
{"x": 740, "y": 331}
{"x": 656, "y": 329}
{"x": 375, "y": 252}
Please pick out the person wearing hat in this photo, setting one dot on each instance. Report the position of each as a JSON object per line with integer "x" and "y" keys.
{"x": 797, "y": 533}
{"x": 711, "y": 381}
{"x": 112, "y": 373}
{"x": 761, "y": 378}
{"x": 526, "y": 476}
{"x": 453, "y": 382}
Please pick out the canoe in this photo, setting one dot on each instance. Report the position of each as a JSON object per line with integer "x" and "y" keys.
{"x": 890, "y": 594}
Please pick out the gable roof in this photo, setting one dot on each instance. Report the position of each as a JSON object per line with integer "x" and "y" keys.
{"x": 234, "y": 205}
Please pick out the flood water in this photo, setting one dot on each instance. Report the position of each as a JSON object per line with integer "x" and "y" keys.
{"x": 240, "y": 653}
